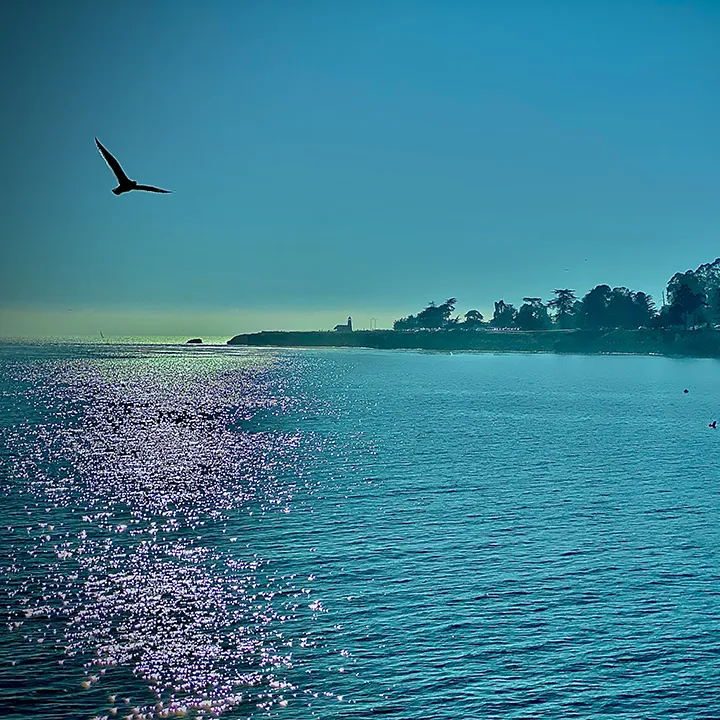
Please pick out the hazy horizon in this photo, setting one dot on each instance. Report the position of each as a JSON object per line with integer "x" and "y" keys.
{"x": 90, "y": 322}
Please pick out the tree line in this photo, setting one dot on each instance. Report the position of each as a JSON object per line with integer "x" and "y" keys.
{"x": 692, "y": 299}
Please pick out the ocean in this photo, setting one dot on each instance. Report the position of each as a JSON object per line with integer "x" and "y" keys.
{"x": 250, "y": 533}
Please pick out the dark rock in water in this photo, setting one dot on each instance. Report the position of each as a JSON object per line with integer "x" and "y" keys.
{"x": 686, "y": 390}
{"x": 195, "y": 341}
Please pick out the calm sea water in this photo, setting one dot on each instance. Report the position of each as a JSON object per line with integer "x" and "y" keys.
{"x": 350, "y": 533}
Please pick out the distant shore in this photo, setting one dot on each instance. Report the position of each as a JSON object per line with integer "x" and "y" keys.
{"x": 702, "y": 343}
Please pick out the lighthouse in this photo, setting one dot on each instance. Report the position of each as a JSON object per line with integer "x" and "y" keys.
{"x": 345, "y": 328}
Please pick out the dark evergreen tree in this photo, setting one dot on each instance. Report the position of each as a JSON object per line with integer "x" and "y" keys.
{"x": 709, "y": 276}
{"x": 621, "y": 309}
{"x": 563, "y": 305}
{"x": 504, "y": 315}
{"x": 532, "y": 315}
{"x": 473, "y": 320}
{"x": 433, "y": 317}
{"x": 686, "y": 294}
{"x": 644, "y": 311}
{"x": 406, "y": 323}
{"x": 593, "y": 308}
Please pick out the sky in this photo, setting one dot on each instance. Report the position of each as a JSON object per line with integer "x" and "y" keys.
{"x": 355, "y": 158}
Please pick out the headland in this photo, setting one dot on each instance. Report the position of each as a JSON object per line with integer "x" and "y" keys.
{"x": 700, "y": 343}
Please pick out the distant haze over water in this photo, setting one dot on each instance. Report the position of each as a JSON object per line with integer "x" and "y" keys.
{"x": 83, "y": 322}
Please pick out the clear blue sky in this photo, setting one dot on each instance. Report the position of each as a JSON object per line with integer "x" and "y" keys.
{"x": 359, "y": 157}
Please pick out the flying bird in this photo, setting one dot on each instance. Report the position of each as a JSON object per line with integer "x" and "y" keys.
{"x": 125, "y": 184}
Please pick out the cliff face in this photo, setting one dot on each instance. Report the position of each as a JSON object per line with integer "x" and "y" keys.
{"x": 697, "y": 343}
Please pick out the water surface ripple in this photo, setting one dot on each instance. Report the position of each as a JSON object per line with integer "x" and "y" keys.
{"x": 346, "y": 533}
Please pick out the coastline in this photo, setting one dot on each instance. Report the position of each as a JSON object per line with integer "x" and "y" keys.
{"x": 701, "y": 343}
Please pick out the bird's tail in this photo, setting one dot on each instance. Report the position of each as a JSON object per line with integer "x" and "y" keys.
{"x": 117, "y": 190}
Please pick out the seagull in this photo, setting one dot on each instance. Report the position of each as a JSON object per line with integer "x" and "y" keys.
{"x": 125, "y": 183}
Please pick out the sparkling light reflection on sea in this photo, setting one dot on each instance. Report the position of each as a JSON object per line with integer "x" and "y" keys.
{"x": 344, "y": 533}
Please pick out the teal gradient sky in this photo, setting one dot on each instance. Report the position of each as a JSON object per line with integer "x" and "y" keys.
{"x": 358, "y": 157}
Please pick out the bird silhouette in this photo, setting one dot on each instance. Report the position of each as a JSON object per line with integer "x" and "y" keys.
{"x": 125, "y": 184}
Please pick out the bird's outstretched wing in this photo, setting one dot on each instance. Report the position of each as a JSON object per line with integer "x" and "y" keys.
{"x": 113, "y": 164}
{"x": 150, "y": 188}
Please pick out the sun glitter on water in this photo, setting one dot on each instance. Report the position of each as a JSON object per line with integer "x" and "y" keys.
{"x": 146, "y": 461}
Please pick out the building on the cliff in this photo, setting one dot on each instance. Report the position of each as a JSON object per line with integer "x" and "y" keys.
{"x": 345, "y": 328}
